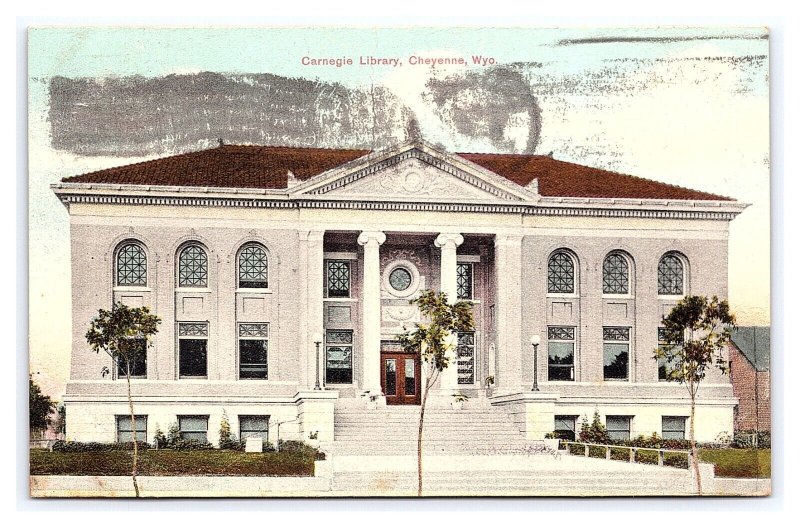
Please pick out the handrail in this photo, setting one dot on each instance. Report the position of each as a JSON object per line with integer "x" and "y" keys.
{"x": 632, "y": 451}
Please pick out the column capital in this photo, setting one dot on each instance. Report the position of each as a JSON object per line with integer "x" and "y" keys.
{"x": 366, "y": 237}
{"x": 507, "y": 239}
{"x": 446, "y": 239}
{"x": 311, "y": 236}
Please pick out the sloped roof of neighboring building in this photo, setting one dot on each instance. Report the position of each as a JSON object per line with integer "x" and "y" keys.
{"x": 267, "y": 167}
{"x": 754, "y": 343}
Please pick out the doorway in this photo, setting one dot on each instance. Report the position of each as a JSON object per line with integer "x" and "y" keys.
{"x": 400, "y": 374}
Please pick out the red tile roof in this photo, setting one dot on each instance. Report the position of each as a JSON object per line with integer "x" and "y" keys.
{"x": 230, "y": 166}
{"x": 267, "y": 167}
{"x": 564, "y": 179}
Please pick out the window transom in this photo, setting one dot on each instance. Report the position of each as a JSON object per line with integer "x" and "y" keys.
{"x": 560, "y": 274}
{"x": 131, "y": 265}
{"x": 193, "y": 267}
{"x": 253, "y": 266}
{"x": 670, "y": 275}
{"x": 615, "y": 275}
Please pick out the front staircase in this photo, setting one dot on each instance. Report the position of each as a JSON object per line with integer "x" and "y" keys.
{"x": 477, "y": 428}
{"x": 473, "y": 451}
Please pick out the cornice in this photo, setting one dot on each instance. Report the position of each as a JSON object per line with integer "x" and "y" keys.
{"x": 70, "y": 193}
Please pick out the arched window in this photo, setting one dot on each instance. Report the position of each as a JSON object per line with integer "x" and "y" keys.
{"x": 616, "y": 275}
{"x": 670, "y": 275}
{"x": 561, "y": 273}
{"x": 193, "y": 267}
{"x": 253, "y": 266}
{"x": 131, "y": 264}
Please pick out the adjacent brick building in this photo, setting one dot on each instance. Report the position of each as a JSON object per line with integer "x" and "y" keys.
{"x": 750, "y": 377}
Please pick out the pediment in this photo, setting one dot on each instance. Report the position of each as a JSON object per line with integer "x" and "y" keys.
{"x": 417, "y": 173}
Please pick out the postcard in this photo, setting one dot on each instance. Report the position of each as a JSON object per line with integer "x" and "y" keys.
{"x": 339, "y": 261}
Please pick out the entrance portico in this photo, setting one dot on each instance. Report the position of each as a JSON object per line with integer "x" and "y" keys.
{"x": 389, "y": 281}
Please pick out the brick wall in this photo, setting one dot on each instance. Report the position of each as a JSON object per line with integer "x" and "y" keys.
{"x": 752, "y": 389}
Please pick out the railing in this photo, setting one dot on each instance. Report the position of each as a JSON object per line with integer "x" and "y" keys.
{"x": 633, "y": 452}
{"x": 42, "y": 443}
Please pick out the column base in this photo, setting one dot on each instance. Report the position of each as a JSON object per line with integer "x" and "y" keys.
{"x": 533, "y": 412}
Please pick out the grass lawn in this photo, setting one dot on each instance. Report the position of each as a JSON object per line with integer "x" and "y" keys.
{"x": 172, "y": 463}
{"x": 738, "y": 462}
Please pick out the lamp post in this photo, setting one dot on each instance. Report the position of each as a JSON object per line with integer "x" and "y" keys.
{"x": 317, "y": 342}
{"x": 535, "y": 340}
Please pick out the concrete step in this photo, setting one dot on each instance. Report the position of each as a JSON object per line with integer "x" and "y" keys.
{"x": 500, "y": 483}
{"x": 445, "y": 429}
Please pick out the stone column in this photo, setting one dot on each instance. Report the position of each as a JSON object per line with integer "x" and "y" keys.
{"x": 311, "y": 275}
{"x": 371, "y": 314}
{"x": 508, "y": 272}
{"x": 449, "y": 243}
{"x": 316, "y": 277}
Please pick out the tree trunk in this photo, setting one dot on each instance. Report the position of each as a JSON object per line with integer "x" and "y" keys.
{"x": 695, "y": 457}
{"x": 419, "y": 436}
{"x": 133, "y": 431}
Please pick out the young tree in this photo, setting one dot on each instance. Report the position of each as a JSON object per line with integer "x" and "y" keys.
{"x": 433, "y": 340}
{"x": 695, "y": 333}
{"x": 40, "y": 406}
{"x": 123, "y": 333}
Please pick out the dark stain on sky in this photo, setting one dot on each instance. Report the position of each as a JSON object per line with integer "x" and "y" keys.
{"x": 657, "y": 40}
{"x": 485, "y": 104}
{"x": 139, "y": 116}
{"x": 134, "y": 116}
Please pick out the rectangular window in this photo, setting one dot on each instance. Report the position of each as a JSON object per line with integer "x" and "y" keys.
{"x": 664, "y": 365}
{"x": 673, "y": 427}
{"x": 254, "y": 426}
{"x": 253, "y": 346}
{"x": 616, "y": 348}
{"x": 124, "y": 431}
{"x": 338, "y": 278}
{"x": 193, "y": 427}
{"x": 138, "y": 360}
{"x": 339, "y": 356}
{"x": 565, "y": 426}
{"x": 619, "y": 427}
{"x": 560, "y": 353}
{"x": 464, "y": 281}
{"x": 465, "y": 353}
{"x": 391, "y": 377}
{"x": 411, "y": 377}
{"x": 193, "y": 349}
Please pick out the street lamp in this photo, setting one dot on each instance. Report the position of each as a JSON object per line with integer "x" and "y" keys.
{"x": 535, "y": 340}
{"x": 317, "y": 341}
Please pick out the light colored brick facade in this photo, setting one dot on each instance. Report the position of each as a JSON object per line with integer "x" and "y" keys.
{"x": 505, "y": 232}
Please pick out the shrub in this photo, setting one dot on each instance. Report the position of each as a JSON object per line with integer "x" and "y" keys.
{"x": 751, "y": 439}
{"x": 159, "y": 439}
{"x": 301, "y": 448}
{"x": 654, "y": 441}
{"x": 77, "y": 446}
{"x": 191, "y": 444}
{"x": 594, "y": 433}
{"x": 227, "y": 440}
{"x": 173, "y": 434}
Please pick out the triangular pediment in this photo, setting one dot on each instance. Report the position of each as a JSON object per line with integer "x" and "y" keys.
{"x": 418, "y": 172}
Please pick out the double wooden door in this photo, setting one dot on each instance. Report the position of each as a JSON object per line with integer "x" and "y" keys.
{"x": 400, "y": 375}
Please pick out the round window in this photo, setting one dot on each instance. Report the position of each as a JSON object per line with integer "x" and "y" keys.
{"x": 400, "y": 279}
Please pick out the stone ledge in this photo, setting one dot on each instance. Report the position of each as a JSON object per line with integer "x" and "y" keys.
{"x": 524, "y": 397}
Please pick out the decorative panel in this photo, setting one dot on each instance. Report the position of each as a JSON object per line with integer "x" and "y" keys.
{"x": 339, "y": 314}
